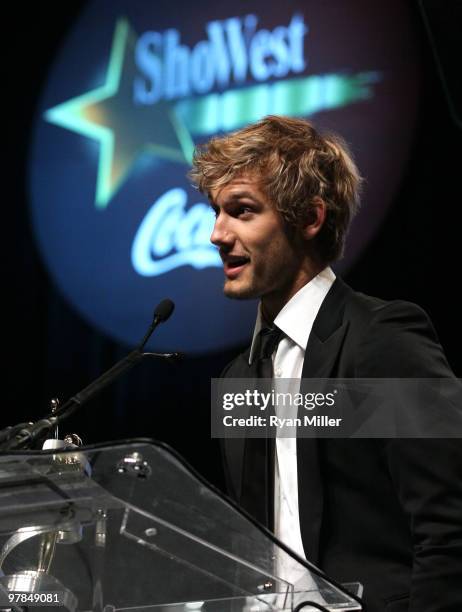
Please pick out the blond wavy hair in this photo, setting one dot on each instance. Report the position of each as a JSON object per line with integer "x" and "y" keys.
{"x": 294, "y": 165}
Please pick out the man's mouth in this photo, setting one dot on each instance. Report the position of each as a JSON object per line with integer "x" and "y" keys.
{"x": 234, "y": 264}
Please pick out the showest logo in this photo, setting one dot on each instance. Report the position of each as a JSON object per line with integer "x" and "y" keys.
{"x": 234, "y": 50}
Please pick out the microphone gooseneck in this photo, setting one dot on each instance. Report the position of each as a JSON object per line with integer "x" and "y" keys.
{"x": 26, "y": 433}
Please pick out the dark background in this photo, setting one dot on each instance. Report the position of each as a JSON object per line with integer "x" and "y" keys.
{"x": 50, "y": 351}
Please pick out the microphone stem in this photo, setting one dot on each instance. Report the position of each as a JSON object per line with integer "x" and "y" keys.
{"x": 148, "y": 334}
{"x": 98, "y": 385}
{"x": 27, "y": 433}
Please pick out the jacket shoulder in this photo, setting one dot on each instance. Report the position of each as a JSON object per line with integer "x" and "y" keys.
{"x": 368, "y": 308}
{"x": 394, "y": 339}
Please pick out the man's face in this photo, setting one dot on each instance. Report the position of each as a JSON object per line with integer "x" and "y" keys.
{"x": 259, "y": 259}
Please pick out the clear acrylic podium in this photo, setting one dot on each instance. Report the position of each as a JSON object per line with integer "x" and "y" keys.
{"x": 129, "y": 526}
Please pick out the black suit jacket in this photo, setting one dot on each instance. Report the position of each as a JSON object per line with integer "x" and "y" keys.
{"x": 385, "y": 512}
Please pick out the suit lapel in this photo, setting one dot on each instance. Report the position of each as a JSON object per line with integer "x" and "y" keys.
{"x": 249, "y": 461}
{"x": 234, "y": 448}
{"x": 321, "y": 358}
{"x": 326, "y": 338}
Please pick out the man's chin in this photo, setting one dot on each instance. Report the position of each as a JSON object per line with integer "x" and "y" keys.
{"x": 237, "y": 291}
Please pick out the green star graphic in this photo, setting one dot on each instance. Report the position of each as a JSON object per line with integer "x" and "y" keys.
{"x": 123, "y": 130}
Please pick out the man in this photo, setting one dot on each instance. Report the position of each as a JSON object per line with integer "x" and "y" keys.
{"x": 386, "y": 512}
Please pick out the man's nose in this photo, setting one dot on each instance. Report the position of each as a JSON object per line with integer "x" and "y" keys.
{"x": 221, "y": 234}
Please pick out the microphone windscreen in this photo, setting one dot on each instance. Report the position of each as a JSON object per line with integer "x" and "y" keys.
{"x": 164, "y": 310}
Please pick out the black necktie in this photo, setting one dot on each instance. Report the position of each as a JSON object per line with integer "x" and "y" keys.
{"x": 258, "y": 469}
{"x": 267, "y": 341}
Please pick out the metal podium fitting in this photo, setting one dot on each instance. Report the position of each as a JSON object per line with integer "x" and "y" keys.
{"x": 39, "y": 580}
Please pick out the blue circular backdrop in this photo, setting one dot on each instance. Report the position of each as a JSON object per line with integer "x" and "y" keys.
{"x": 136, "y": 85}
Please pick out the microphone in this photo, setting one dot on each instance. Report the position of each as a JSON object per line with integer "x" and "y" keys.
{"x": 162, "y": 312}
{"x": 32, "y": 431}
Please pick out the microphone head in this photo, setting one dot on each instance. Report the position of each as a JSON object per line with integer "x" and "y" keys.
{"x": 163, "y": 310}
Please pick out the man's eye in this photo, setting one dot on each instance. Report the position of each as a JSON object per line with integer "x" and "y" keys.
{"x": 242, "y": 210}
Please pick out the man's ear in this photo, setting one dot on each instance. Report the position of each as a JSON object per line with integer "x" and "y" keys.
{"x": 315, "y": 219}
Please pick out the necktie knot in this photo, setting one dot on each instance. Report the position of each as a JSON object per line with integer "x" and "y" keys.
{"x": 269, "y": 339}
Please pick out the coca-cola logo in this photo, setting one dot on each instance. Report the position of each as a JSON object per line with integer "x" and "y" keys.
{"x": 170, "y": 237}
{"x": 136, "y": 87}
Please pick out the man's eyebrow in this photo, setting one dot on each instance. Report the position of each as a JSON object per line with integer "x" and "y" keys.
{"x": 239, "y": 195}
{"x": 243, "y": 194}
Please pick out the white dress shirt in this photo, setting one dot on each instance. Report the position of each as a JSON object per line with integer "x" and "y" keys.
{"x": 295, "y": 320}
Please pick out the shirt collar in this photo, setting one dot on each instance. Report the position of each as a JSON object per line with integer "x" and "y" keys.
{"x": 296, "y": 319}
